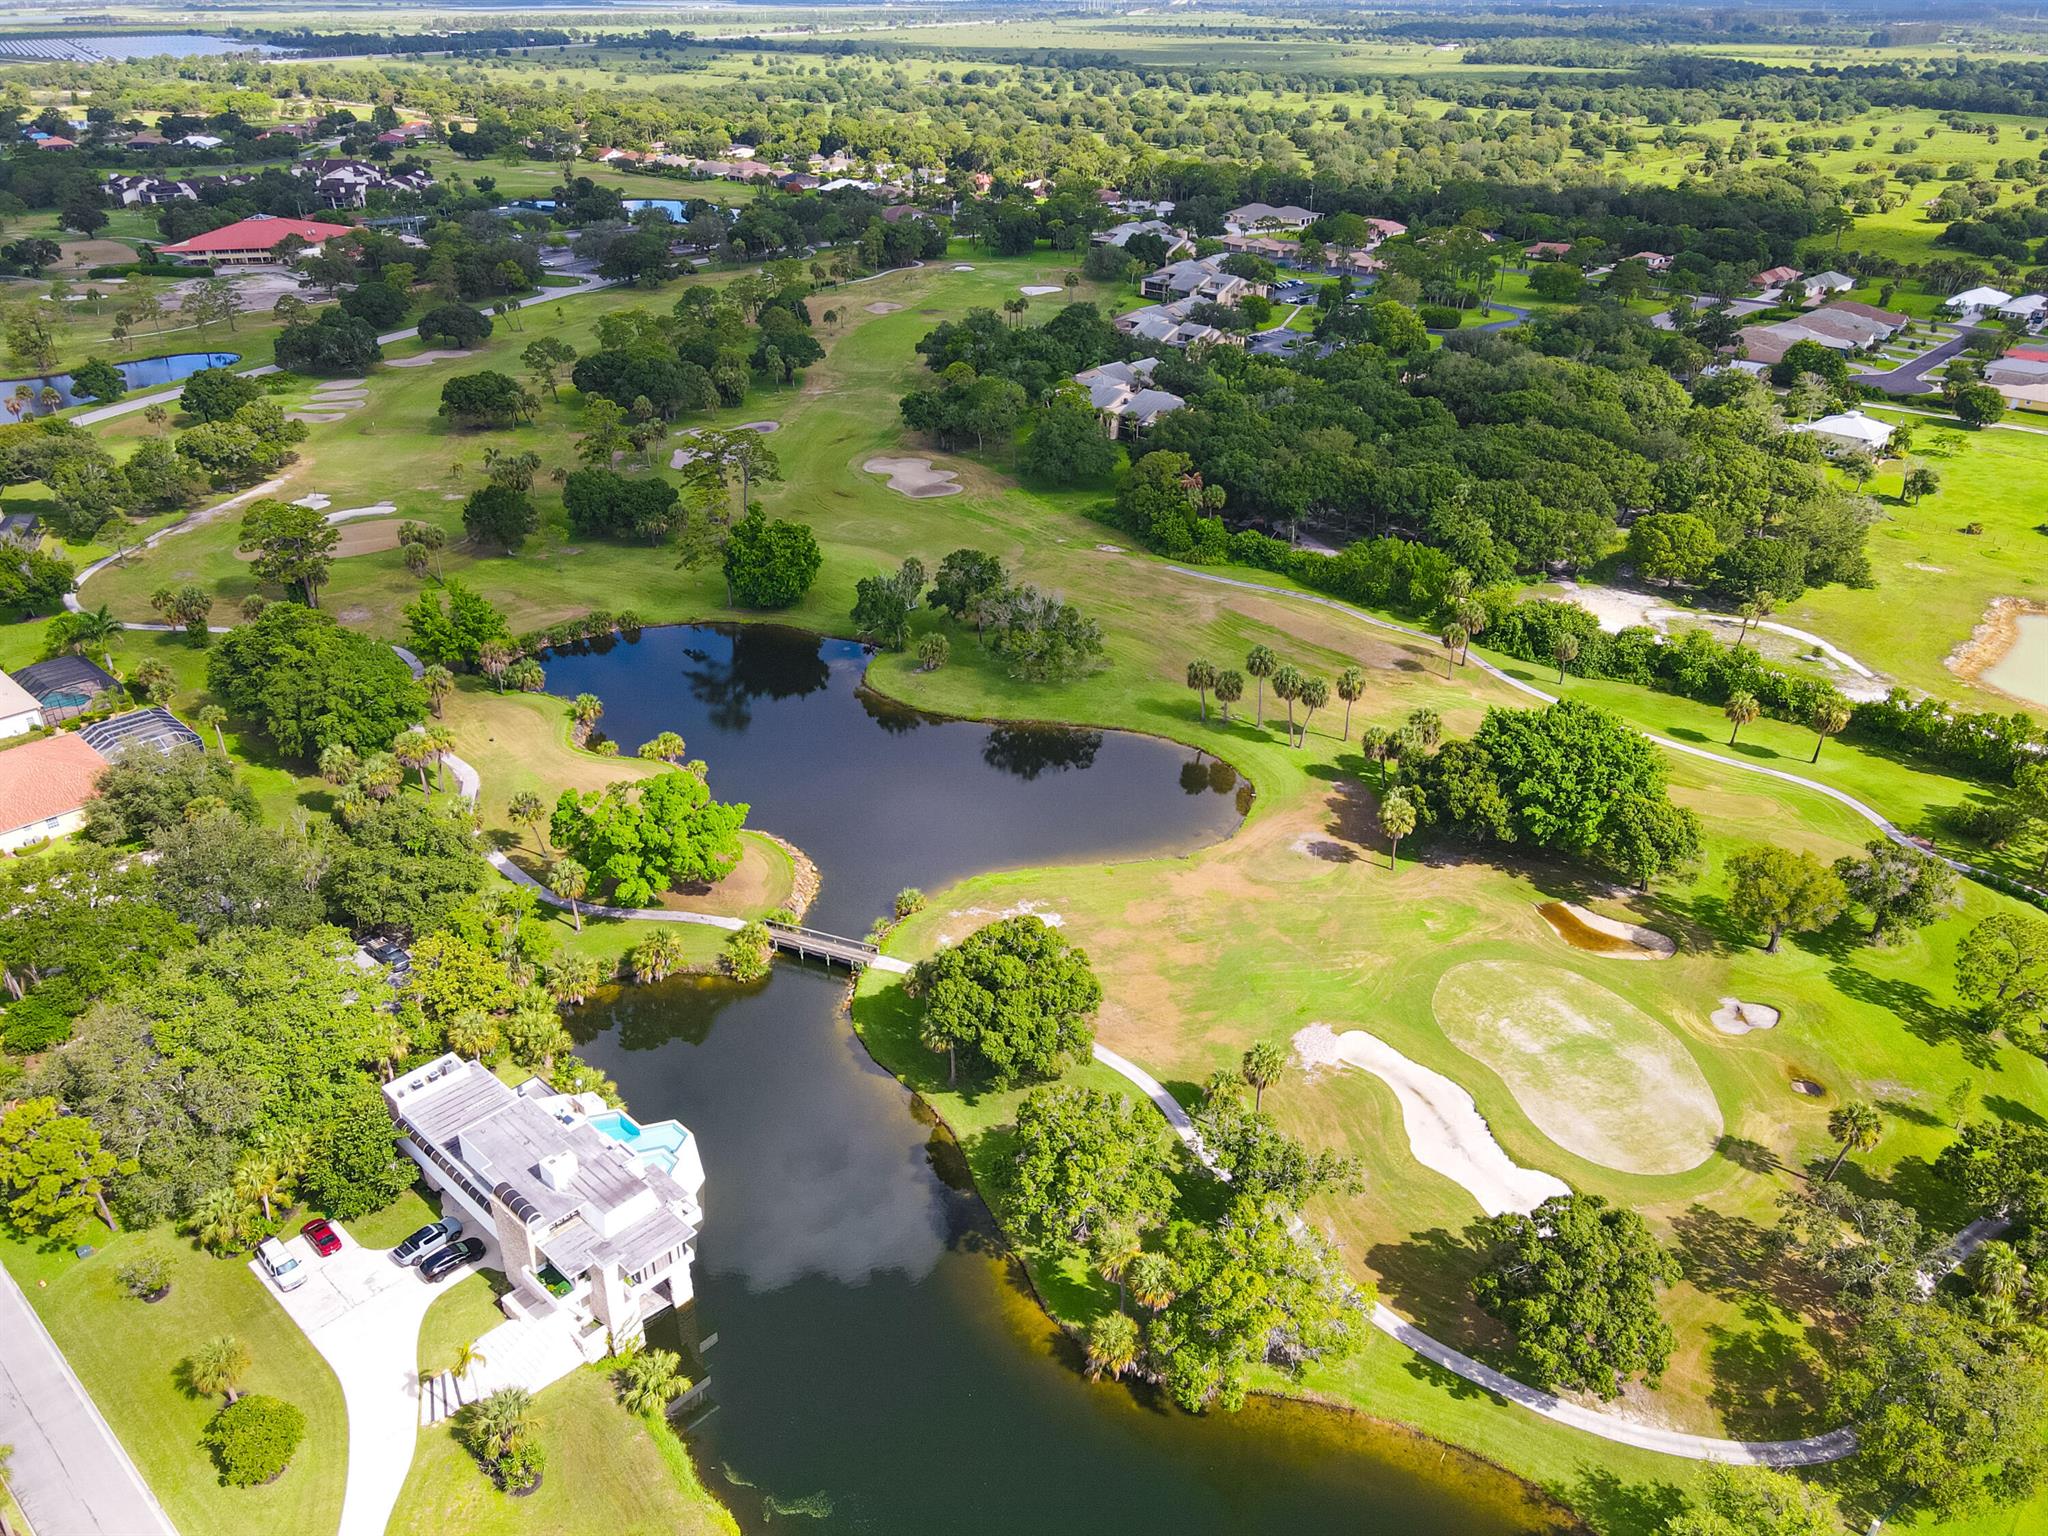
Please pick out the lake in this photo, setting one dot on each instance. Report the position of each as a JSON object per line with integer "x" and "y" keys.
{"x": 875, "y": 1364}
{"x": 2023, "y": 670}
{"x": 145, "y": 373}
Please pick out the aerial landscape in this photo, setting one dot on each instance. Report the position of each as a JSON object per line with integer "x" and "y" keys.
{"x": 906, "y": 768}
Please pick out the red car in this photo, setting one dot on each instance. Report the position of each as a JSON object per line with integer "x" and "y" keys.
{"x": 321, "y": 1234}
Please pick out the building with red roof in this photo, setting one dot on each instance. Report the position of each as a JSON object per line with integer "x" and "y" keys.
{"x": 256, "y": 239}
{"x": 44, "y": 787}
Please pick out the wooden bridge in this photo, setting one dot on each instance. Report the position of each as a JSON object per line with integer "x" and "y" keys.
{"x": 811, "y": 944}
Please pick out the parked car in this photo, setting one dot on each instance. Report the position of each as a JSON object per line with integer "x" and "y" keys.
{"x": 427, "y": 1239}
{"x": 443, "y": 1262}
{"x": 286, "y": 1272}
{"x": 321, "y": 1234}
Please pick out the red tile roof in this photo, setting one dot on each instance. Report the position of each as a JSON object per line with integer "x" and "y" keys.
{"x": 257, "y": 234}
{"x": 46, "y": 778}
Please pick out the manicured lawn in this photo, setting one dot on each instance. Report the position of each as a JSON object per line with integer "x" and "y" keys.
{"x": 609, "y": 1473}
{"x": 461, "y": 1314}
{"x": 128, "y": 1354}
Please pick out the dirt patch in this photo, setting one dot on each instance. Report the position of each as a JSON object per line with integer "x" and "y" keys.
{"x": 1592, "y": 1071}
{"x": 78, "y": 255}
{"x": 760, "y": 882}
{"x": 958, "y": 925}
{"x": 915, "y": 478}
{"x": 421, "y": 359}
{"x": 367, "y": 538}
{"x": 1994, "y": 636}
{"x": 1446, "y": 1132}
{"x": 1607, "y": 936}
{"x": 1735, "y": 1017}
{"x": 882, "y": 307}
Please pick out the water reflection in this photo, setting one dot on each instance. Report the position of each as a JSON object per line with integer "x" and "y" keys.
{"x": 1029, "y": 750}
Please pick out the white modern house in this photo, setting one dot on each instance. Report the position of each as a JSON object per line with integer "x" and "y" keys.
{"x": 2029, "y": 309}
{"x": 595, "y": 1213}
{"x": 1972, "y": 302}
{"x": 20, "y": 710}
{"x": 1850, "y": 430}
{"x": 1817, "y": 285}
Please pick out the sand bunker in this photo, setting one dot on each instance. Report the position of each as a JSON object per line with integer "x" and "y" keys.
{"x": 1446, "y": 1133}
{"x": 334, "y": 384}
{"x": 381, "y": 509}
{"x": 963, "y": 269}
{"x": 1607, "y": 936}
{"x": 421, "y": 359}
{"x": 319, "y": 418}
{"x": 1735, "y": 1017}
{"x": 317, "y": 501}
{"x": 1039, "y": 290}
{"x": 366, "y": 539}
{"x": 915, "y": 477}
{"x": 883, "y": 307}
{"x": 683, "y": 457}
{"x": 1592, "y": 1071}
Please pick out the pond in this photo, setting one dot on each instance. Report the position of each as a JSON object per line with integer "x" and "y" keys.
{"x": 144, "y": 373}
{"x": 874, "y": 1363}
{"x": 2023, "y": 670}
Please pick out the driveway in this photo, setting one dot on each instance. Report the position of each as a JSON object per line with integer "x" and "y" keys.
{"x": 363, "y": 1314}
{"x": 68, "y": 1472}
{"x": 1910, "y": 378}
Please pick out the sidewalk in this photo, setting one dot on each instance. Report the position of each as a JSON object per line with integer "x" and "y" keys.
{"x": 68, "y": 1472}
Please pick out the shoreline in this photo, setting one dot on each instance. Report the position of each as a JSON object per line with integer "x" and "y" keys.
{"x": 1990, "y": 642}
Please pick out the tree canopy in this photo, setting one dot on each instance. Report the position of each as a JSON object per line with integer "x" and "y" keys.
{"x": 1012, "y": 1000}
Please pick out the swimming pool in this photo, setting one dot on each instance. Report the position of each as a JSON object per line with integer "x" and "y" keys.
{"x": 655, "y": 1145}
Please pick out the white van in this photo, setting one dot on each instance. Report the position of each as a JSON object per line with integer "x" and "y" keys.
{"x": 286, "y": 1272}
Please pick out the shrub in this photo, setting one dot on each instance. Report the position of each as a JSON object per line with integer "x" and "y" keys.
{"x": 933, "y": 652}
{"x": 909, "y": 901}
{"x": 253, "y": 1438}
{"x": 1440, "y": 317}
{"x": 748, "y": 954}
{"x": 145, "y": 1277}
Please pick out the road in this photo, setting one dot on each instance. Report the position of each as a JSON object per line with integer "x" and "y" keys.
{"x": 1910, "y": 378}
{"x": 68, "y": 1472}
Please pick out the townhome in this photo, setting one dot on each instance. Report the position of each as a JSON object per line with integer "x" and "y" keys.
{"x": 1123, "y": 392}
{"x": 1121, "y": 235}
{"x": 1253, "y": 217}
{"x": 1202, "y": 280}
{"x": 594, "y": 1212}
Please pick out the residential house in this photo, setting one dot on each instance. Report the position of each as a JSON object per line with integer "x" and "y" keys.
{"x": 20, "y": 711}
{"x": 149, "y": 191}
{"x": 1776, "y": 277}
{"x": 54, "y": 141}
{"x": 349, "y": 183}
{"x": 157, "y": 729}
{"x": 1202, "y": 280}
{"x": 44, "y": 789}
{"x": 65, "y": 686}
{"x": 1890, "y": 320}
{"x": 898, "y": 212}
{"x": 595, "y": 1214}
{"x": 1123, "y": 392}
{"x": 1388, "y": 229}
{"x": 1120, "y": 235}
{"x": 1656, "y": 261}
{"x": 250, "y": 241}
{"x": 1168, "y": 325}
{"x": 1548, "y": 250}
{"x": 1850, "y": 430}
{"x": 1253, "y": 217}
{"x": 146, "y": 140}
{"x": 1819, "y": 285}
{"x": 2029, "y": 309}
{"x": 202, "y": 141}
{"x": 1973, "y": 302}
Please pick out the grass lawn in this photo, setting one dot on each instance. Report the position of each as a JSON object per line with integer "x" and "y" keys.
{"x": 609, "y": 1473}
{"x": 128, "y": 1354}
{"x": 461, "y": 1314}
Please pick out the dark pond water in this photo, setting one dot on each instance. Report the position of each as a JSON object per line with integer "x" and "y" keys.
{"x": 147, "y": 373}
{"x": 874, "y": 1364}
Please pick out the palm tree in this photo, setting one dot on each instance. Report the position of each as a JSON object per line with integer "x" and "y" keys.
{"x": 387, "y": 1042}
{"x": 1397, "y": 820}
{"x": 585, "y": 709}
{"x": 440, "y": 745}
{"x": 1287, "y": 684}
{"x": 1455, "y": 637}
{"x": 529, "y": 810}
{"x": 216, "y": 1368}
{"x": 1375, "y": 743}
{"x": 381, "y": 774}
{"x": 211, "y": 718}
{"x": 1427, "y": 727}
{"x": 569, "y": 880}
{"x": 410, "y": 751}
{"x": 1261, "y": 1068}
{"x": 668, "y": 747}
{"x": 1740, "y": 709}
{"x": 1260, "y": 662}
{"x": 1315, "y": 693}
{"x": 92, "y": 631}
{"x": 650, "y": 1379}
{"x": 1112, "y": 1345}
{"x": 1831, "y": 717}
{"x": 1201, "y": 678}
{"x": 466, "y": 1358}
{"x": 1472, "y": 616}
{"x": 656, "y": 956}
{"x": 571, "y": 977}
{"x": 1858, "y": 1127}
{"x": 222, "y": 1221}
{"x": 501, "y": 1419}
{"x": 1997, "y": 1271}
{"x": 1350, "y": 688}
{"x": 260, "y": 1180}
{"x": 1115, "y": 1249}
{"x": 338, "y": 762}
{"x": 1564, "y": 650}
{"x": 474, "y": 1034}
{"x": 1229, "y": 687}
{"x": 439, "y": 683}
{"x": 1150, "y": 1278}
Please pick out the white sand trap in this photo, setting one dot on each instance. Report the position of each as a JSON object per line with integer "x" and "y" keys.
{"x": 1446, "y": 1132}
{"x": 683, "y": 458}
{"x": 316, "y": 502}
{"x": 1039, "y": 290}
{"x": 883, "y": 307}
{"x": 1592, "y": 1071}
{"x": 321, "y": 418}
{"x": 1606, "y": 936}
{"x": 1932, "y": 570}
{"x": 915, "y": 477}
{"x": 328, "y": 384}
{"x": 1111, "y": 549}
{"x": 963, "y": 269}
{"x": 421, "y": 359}
{"x": 381, "y": 509}
{"x": 1735, "y": 1017}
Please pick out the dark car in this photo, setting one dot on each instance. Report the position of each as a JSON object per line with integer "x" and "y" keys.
{"x": 321, "y": 1234}
{"x": 443, "y": 1262}
{"x": 426, "y": 1240}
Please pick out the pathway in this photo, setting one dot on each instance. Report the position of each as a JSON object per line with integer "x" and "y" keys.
{"x": 1868, "y": 812}
{"x": 68, "y": 1472}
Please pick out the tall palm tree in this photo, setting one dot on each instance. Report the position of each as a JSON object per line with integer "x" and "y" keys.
{"x": 1115, "y": 1248}
{"x": 1151, "y": 1280}
{"x": 1260, "y": 663}
{"x": 1740, "y": 709}
{"x": 1564, "y": 650}
{"x": 1287, "y": 684}
{"x": 1314, "y": 694}
{"x": 439, "y": 683}
{"x": 1350, "y": 688}
{"x": 216, "y": 1368}
{"x": 439, "y": 742}
{"x": 1112, "y": 1345}
{"x": 529, "y": 810}
{"x": 92, "y": 630}
{"x": 1830, "y": 718}
{"x": 569, "y": 880}
{"x": 387, "y": 1042}
{"x": 1455, "y": 638}
{"x": 410, "y": 751}
{"x": 212, "y": 717}
{"x": 1427, "y": 727}
{"x": 1858, "y": 1127}
{"x": 1201, "y": 678}
{"x": 1261, "y": 1068}
{"x": 260, "y": 1180}
{"x": 1397, "y": 820}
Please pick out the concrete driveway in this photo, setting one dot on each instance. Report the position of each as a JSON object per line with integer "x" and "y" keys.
{"x": 363, "y": 1314}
